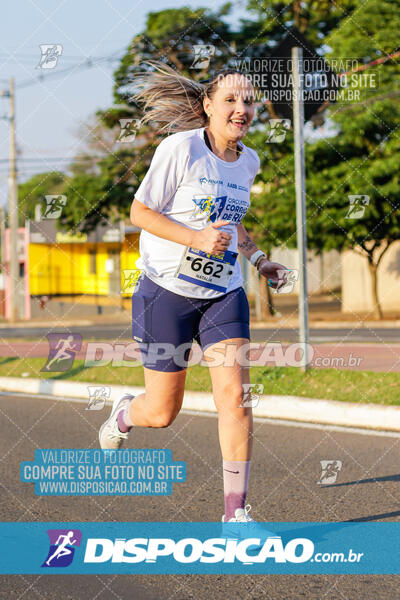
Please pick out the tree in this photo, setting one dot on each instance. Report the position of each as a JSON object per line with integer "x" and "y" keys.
{"x": 103, "y": 197}
{"x": 33, "y": 192}
{"x": 361, "y": 159}
{"x": 96, "y": 142}
{"x": 169, "y": 36}
{"x": 317, "y": 19}
{"x": 104, "y": 189}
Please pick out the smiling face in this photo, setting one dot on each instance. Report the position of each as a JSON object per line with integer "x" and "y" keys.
{"x": 231, "y": 107}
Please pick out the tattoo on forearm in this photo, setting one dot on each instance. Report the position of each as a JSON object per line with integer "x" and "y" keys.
{"x": 247, "y": 244}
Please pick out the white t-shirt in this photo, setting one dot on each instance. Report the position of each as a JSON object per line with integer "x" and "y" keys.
{"x": 183, "y": 172}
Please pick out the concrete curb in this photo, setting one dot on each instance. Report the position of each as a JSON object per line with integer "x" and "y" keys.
{"x": 292, "y": 408}
{"x": 279, "y": 323}
{"x": 294, "y": 323}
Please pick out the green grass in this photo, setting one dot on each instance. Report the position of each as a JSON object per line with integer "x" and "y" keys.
{"x": 328, "y": 384}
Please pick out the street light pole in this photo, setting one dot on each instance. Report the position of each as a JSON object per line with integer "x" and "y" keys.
{"x": 300, "y": 180}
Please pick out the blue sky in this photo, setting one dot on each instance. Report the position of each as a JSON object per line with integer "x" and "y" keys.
{"x": 48, "y": 114}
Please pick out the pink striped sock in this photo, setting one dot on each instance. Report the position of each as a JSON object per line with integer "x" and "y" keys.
{"x": 124, "y": 420}
{"x": 236, "y": 477}
{"x": 122, "y": 426}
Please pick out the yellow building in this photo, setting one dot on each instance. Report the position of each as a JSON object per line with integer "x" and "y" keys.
{"x": 67, "y": 264}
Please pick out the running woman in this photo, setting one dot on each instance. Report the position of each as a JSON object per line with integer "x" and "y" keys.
{"x": 189, "y": 207}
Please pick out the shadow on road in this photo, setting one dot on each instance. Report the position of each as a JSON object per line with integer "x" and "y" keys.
{"x": 395, "y": 513}
{"x": 359, "y": 481}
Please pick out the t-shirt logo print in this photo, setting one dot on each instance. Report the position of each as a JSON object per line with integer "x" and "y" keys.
{"x": 209, "y": 205}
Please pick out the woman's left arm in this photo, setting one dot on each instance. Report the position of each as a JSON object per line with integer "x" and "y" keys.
{"x": 268, "y": 269}
{"x": 245, "y": 244}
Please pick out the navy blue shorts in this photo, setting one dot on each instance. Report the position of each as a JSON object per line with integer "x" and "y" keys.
{"x": 165, "y": 324}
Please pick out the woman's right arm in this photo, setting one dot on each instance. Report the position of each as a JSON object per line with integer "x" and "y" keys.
{"x": 210, "y": 239}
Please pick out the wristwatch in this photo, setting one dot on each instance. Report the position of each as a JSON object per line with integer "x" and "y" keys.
{"x": 256, "y": 257}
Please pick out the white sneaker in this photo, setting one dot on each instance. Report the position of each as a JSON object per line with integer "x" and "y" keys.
{"x": 241, "y": 516}
{"x": 233, "y": 528}
{"x": 110, "y": 437}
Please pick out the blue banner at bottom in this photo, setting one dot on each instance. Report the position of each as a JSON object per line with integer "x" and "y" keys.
{"x": 172, "y": 548}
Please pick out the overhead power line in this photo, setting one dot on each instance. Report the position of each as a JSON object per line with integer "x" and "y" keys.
{"x": 52, "y": 158}
{"x": 86, "y": 63}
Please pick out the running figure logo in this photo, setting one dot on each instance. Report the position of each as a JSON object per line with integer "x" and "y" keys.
{"x": 330, "y": 470}
{"x": 129, "y": 129}
{"x": 54, "y": 206}
{"x": 202, "y": 55}
{"x": 62, "y": 350}
{"x": 50, "y": 55}
{"x": 286, "y": 281}
{"x": 357, "y": 207}
{"x": 277, "y": 130}
{"x": 251, "y": 394}
{"x": 131, "y": 281}
{"x": 62, "y": 547}
{"x": 98, "y": 394}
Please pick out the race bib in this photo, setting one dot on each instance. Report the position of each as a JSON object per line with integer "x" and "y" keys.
{"x": 212, "y": 271}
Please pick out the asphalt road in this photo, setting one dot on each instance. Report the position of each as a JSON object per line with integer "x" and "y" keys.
{"x": 283, "y": 487}
{"x": 123, "y": 332}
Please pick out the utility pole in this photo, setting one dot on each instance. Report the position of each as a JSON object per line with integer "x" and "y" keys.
{"x": 300, "y": 180}
{"x": 13, "y": 216}
{"x": 3, "y": 239}
{"x": 13, "y": 265}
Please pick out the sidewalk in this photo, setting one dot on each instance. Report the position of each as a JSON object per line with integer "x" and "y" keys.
{"x": 289, "y": 323}
{"x": 273, "y": 323}
{"x": 324, "y": 312}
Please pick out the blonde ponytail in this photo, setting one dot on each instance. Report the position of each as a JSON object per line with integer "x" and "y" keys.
{"x": 170, "y": 98}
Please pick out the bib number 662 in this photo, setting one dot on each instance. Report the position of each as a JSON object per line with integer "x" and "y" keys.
{"x": 208, "y": 267}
